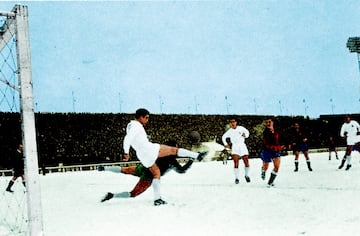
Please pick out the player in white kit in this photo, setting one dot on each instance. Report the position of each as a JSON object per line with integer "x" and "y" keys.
{"x": 237, "y": 135}
{"x": 349, "y": 130}
{"x": 147, "y": 152}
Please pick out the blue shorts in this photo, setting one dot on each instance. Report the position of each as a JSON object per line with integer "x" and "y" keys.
{"x": 268, "y": 155}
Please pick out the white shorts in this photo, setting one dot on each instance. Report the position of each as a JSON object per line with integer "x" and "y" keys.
{"x": 148, "y": 154}
{"x": 352, "y": 140}
{"x": 239, "y": 149}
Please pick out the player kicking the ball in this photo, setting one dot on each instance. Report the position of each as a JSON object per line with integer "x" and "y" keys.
{"x": 165, "y": 164}
{"x": 147, "y": 152}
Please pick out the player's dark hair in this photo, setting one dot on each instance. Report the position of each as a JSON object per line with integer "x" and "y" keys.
{"x": 141, "y": 112}
{"x": 233, "y": 118}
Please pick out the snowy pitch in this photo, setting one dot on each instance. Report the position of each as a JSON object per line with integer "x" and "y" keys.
{"x": 205, "y": 201}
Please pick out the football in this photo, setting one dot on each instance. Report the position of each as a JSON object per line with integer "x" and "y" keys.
{"x": 194, "y": 137}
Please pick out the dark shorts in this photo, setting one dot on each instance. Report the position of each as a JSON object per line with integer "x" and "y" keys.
{"x": 301, "y": 148}
{"x": 18, "y": 172}
{"x": 268, "y": 155}
{"x": 143, "y": 172}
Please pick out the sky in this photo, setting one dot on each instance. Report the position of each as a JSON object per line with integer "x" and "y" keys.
{"x": 322, "y": 202}
{"x": 194, "y": 57}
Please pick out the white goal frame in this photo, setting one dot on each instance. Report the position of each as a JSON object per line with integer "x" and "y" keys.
{"x": 17, "y": 24}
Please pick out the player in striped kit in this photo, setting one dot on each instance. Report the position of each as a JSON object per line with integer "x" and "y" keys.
{"x": 299, "y": 144}
{"x": 271, "y": 151}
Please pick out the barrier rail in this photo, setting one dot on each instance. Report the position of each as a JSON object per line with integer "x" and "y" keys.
{"x": 63, "y": 168}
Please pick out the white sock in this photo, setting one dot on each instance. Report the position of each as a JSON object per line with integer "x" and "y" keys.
{"x": 156, "y": 187}
{"x": 186, "y": 153}
{"x": 236, "y": 173}
{"x": 122, "y": 195}
{"x": 348, "y": 159}
{"x": 115, "y": 169}
{"x": 247, "y": 171}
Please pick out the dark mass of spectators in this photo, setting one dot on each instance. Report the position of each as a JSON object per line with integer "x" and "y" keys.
{"x": 85, "y": 138}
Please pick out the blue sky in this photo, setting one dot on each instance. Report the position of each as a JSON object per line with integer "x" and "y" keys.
{"x": 203, "y": 57}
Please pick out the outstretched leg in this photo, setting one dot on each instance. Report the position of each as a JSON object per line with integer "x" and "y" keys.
{"x": 166, "y": 150}
{"x": 141, "y": 186}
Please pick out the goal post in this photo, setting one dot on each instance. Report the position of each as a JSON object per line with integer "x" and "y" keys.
{"x": 28, "y": 121}
{"x": 17, "y": 26}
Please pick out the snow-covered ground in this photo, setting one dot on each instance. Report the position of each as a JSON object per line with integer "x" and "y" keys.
{"x": 205, "y": 201}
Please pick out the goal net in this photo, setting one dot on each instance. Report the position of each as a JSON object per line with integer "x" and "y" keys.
{"x": 20, "y": 210}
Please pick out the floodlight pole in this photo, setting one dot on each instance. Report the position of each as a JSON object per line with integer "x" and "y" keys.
{"x": 353, "y": 44}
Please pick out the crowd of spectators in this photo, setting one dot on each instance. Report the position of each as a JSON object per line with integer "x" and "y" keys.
{"x": 85, "y": 138}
